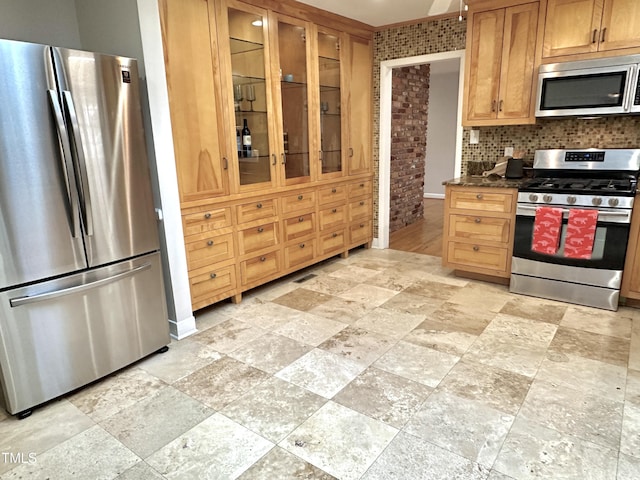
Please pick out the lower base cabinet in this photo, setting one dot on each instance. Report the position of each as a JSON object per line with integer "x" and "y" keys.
{"x": 235, "y": 245}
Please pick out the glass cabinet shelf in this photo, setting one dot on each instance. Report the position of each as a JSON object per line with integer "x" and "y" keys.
{"x": 244, "y": 46}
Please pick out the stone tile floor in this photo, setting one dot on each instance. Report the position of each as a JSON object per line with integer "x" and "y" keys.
{"x": 382, "y": 366}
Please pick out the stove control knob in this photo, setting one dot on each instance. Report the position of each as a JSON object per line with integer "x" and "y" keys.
{"x": 571, "y": 199}
{"x": 533, "y": 197}
{"x": 547, "y": 198}
{"x": 596, "y": 201}
{"x": 614, "y": 202}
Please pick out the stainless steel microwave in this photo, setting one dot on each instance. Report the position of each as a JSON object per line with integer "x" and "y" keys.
{"x": 605, "y": 86}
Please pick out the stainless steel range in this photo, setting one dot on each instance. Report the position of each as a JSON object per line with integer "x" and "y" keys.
{"x": 572, "y": 225}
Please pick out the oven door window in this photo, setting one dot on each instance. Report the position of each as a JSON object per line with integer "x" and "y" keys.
{"x": 609, "y": 246}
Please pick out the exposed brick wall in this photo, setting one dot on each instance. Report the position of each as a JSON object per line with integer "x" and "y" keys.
{"x": 410, "y": 102}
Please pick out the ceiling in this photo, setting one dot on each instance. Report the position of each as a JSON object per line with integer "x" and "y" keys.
{"x": 386, "y": 12}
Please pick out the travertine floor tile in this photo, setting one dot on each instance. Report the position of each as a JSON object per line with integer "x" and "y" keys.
{"x": 280, "y": 464}
{"x": 409, "y": 457}
{"x": 535, "y": 452}
{"x": 488, "y": 296}
{"x": 358, "y": 345}
{"x": 433, "y": 289}
{"x": 156, "y": 420}
{"x": 215, "y": 448}
{"x": 274, "y": 408}
{"x": 329, "y": 285}
{"x": 321, "y": 372}
{"x": 368, "y": 294}
{"x": 523, "y": 331}
{"x": 221, "y": 382}
{"x": 410, "y": 303}
{"x": 495, "y": 387}
{"x": 613, "y": 324}
{"x": 265, "y": 315}
{"x": 634, "y": 354}
{"x": 630, "y": 441}
{"x": 228, "y": 335}
{"x": 389, "y": 323}
{"x": 140, "y": 471}
{"x": 592, "y": 418}
{"x": 270, "y": 352}
{"x": 535, "y": 309}
{"x": 468, "y": 428}
{"x": 420, "y": 364}
{"x": 632, "y": 393}
{"x": 628, "y": 467}
{"x": 608, "y": 349}
{"x": 439, "y": 336}
{"x": 342, "y": 310}
{"x": 353, "y": 273}
{"x": 384, "y": 396}
{"x": 310, "y": 329}
{"x": 497, "y": 352}
{"x": 462, "y": 318}
{"x": 340, "y": 441}
{"x": 302, "y": 299}
{"x": 391, "y": 279}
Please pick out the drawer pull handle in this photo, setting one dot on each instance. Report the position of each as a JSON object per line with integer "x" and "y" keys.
{"x": 362, "y": 225}
{"x": 362, "y": 185}
{"x": 334, "y": 235}
{"x": 259, "y": 205}
{"x": 300, "y": 197}
{"x": 213, "y": 275}
{"x": 479, "y": 196}
{"x": 335, "y": 210}
{"x": 362, "y": 202}
{"x": 207, "y": 215}
{"x": 210, "y": 242}
{"x": 302, "y": 245}
{"x": 593, "y": 39}
{"x": 301, "y": 219}
{"x": 333, "y": 190}
{"x": 262, "y": 259}
{"x": 478, "y": 220}
{"x": 225, "y": 163}
{"x": 604, "y": 31}
{"x": 500, "y": 105}
{"x": 476, "y": 248}
{"x": 260, "y": 229}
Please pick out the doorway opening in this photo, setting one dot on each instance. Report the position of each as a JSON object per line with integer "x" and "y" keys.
{"x": 443, "y": 152}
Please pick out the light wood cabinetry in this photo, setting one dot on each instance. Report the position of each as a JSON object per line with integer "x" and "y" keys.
{"x": 630, "y": 287}
{"x": 478, "y": 230}
{"x": 573, "y": 27}
{"x": 499, "y": 73}
{"x": 303, "y": 192}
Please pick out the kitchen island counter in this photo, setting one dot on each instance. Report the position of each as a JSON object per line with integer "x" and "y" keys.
{"x": 479, "y": 181}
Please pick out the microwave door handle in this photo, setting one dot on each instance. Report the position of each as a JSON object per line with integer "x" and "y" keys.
{"x": 67, "y": 165}
{"x": 631, "y": 87}
{"x": 85, "y": 194}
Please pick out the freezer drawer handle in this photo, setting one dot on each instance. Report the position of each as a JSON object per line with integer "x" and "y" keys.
{"x": 17, "y": 302}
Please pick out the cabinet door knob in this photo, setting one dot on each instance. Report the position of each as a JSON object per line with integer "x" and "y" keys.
{"x": 334, "y": 235}
{"x": 213, "y": 275}
{"x": 476, "y": 248}
{"x": 362, "y": 225}
{"x": 595, "y": 35}
{"x": 301, "y": 219}
{"x": 207, "y": 215}
{"x": 262, "y": 259}
{"x": 302, "y": 245}
{"x": 362, "y": 185}
{"x": 300, "y": 197}
{"x": 479, "y": 196}
{"x": 335, "y": 210}
{"x": 210, "y": 242}
{"x": 478, "y": 220}
{"x": 333, "y": 190}
{"x": 260, "y": 229}
{"x": 259, "y": 205}
{"x": 361, "y": 202}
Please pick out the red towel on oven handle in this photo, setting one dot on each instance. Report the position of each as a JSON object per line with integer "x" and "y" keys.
{"x": 581, "y": 232}
{"x": 546, "y": 230}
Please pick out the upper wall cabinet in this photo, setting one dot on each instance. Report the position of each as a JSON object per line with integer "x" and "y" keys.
{"x": 360, "y": 105}
{"x": 587, "y": 26}
{"x": 500, "y": 69}
{"x": 191, "y": 59}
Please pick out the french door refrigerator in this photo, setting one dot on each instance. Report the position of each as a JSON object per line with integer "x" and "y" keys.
{"x": 81, "y": 292}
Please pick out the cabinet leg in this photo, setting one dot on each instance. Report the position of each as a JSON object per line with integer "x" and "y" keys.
{"x": 236, "y": 298}
{"x": 344, "y": 254}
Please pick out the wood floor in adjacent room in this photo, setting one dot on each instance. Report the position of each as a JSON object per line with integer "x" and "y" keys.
{"x": 425, "y": 235}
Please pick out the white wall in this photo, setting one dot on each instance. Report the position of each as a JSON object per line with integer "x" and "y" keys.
{"x": 50, "y": 22}
{"x": 441, "y": 129}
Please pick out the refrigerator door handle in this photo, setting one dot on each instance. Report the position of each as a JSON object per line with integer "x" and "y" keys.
{"x": 67, "y": 164}
{"x": 81, "y": 165}
{"x": 17, "y": 302}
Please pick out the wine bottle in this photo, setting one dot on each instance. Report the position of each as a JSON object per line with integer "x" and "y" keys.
{"x": 239, "y": 142}
{"x": 246, "y": 140}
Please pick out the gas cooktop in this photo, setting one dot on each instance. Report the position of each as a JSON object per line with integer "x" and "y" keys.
{"x": 596, "y": 186}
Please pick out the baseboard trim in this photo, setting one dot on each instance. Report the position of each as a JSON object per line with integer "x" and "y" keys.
{"x": 434, "y": 195}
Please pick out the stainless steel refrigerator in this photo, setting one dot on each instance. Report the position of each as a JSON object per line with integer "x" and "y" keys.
{"x": 81, "y": 292}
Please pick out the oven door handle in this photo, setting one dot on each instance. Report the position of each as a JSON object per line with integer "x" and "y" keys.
{"x": 603, "y": 215}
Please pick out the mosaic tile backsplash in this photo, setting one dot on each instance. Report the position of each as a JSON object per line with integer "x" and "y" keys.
{"x": 448, "y": 35}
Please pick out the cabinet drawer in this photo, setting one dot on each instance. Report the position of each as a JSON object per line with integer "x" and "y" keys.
{"x": 299, "y": 201}
{"x": 260, "y": 267}
{"x": 299, "y": 253}
{"x": 360, "y": 189}
{"x": 333, "y": 217}
{"x": 482, "y": 200}
{"x": 360, "y": 209}
{"x": 299, "y": 226}
{"x": 360, "y": 232}
{"x": 335, "y": 193}
{"x": 332, "y": 242}
{"x": 257, "y": 238}
{"x": 480, "y": 256}
{"x": 488, "y": 229}
{"x": 205, "y": 219}
{"x": 256, "y": 210}
{"x": 211, "y": 282}
{"x": 206, "y": 249}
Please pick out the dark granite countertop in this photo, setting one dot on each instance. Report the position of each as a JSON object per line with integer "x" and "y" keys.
{"x": 478, "y": 181}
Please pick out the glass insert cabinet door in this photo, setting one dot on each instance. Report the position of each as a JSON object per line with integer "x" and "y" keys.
{"x": 330, "y": 74}
{"x": 251, "y": 103}
{"x": 292, "y": 54}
